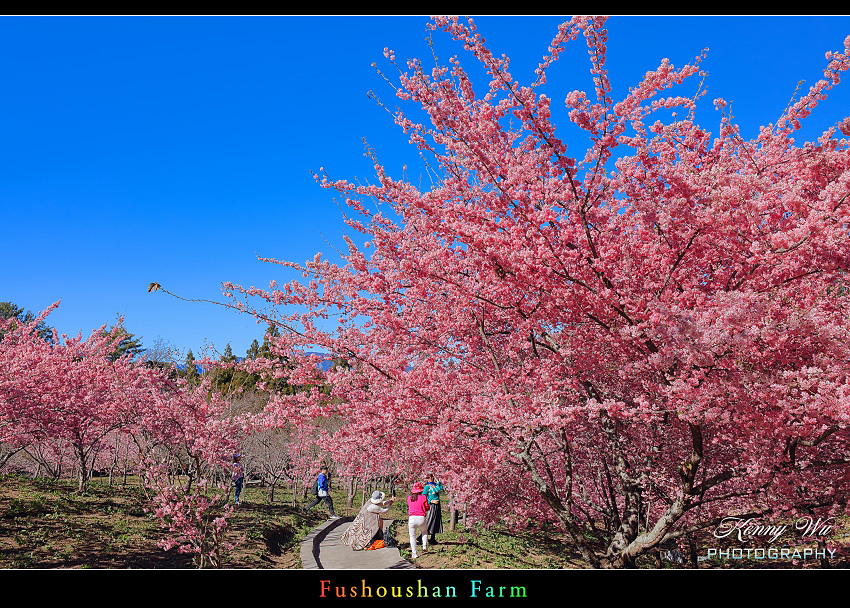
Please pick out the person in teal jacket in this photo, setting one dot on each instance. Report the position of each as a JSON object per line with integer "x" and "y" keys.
{"x": 434, "y": 523}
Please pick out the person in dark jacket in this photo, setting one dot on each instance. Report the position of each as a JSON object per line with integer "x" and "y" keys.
{"x": 324, "y": 493}
{"x": 238, "y": 476}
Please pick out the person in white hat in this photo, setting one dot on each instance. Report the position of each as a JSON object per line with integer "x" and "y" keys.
{"x": 368, "y": 525}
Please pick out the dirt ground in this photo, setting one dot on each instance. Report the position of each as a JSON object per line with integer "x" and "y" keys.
{"x": 46, "y": 525}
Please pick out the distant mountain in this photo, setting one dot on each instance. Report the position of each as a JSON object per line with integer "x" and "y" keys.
{"x": 328, "y": 360}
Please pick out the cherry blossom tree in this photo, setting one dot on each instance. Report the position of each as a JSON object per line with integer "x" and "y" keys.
{"x": 633, "y": 341}
{"x": 188, "y": 431}
{"x": 72, "y": 399}
{"x": 196, "y": 518}
{"x": 71, "y": 391}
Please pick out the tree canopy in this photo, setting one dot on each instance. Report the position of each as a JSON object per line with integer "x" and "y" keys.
{"x": 634, "y": 340}
{"x": 10, "y": 310}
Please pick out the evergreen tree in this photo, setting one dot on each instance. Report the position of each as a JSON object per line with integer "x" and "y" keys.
{"x": 265, "y": 350}
{"x": 254, "y": 351}
{"x": 190, "y": 372}
{"x": 272, "y": 384}
{"x": 225, "y": 379}
{"x": 10, "y": 310}
{"x": 232, "y": 380}
{"x": 125, "y": 343}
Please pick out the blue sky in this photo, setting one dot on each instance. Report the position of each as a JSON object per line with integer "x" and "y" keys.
{"x": 177, "y": 149}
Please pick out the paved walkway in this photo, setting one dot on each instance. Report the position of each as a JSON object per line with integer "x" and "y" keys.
{"x": 322, "y": 549}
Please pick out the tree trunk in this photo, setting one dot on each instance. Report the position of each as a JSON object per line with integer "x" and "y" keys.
{"x": 193, "y": 470}
{"x": 453, "y": 519}
{"x": 93, "y": 460}
{"x": 352, "y": 491}
{"x": 824, "y": 561}
{"x": 82, "y": 468}
{"x": 190, "y": 477}
{"x": 692, "y": 552}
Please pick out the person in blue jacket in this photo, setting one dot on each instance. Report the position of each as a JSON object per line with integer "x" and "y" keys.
{"x": 323, "y": 488}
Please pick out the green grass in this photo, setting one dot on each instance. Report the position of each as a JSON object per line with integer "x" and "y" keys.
{"x": 46, "y": 524}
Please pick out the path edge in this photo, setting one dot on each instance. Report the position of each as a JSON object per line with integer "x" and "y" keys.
{"x": 310, "y": 543}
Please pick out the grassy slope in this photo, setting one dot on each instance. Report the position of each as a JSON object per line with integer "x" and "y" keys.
{"x": 46, "y": 525}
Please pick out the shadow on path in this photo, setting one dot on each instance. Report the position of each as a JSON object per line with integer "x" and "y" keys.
{"x": 322, "y": 549}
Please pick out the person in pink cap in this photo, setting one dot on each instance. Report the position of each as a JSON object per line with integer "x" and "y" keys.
{"x": 417, "y": 509}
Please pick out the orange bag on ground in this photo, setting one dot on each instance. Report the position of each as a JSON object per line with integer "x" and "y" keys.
{"x": 378, "y": 544}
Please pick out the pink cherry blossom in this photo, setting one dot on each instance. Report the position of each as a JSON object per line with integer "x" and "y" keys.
{"x": 632, "y": 340}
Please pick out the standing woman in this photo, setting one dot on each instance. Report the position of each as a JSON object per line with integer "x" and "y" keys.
{"x": 434, "y": 521}
{"x": 238, "y": 476}
{"x": 417, "y": 508}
